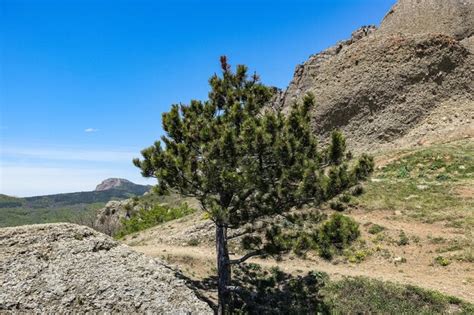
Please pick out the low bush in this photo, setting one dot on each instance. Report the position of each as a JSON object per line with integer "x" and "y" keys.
{"x": 442, "y": 261}
{"x": 145, "y": 219}
{"x": 357, "y": 190}
{"x": 403, "y": 240}
{"x": 337, "y": 205}
{"x": 375, "y": 229}
{"x": 336, "y": 234}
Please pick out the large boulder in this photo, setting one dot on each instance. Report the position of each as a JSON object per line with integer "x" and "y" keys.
{"x": 67, "y": 268}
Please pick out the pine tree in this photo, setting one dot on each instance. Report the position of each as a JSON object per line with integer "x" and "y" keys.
{"x": 337, "y": 148}
{"x": 243, "y": 161}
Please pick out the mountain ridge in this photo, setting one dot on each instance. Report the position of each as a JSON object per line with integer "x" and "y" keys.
{"x": 62, "y": 206}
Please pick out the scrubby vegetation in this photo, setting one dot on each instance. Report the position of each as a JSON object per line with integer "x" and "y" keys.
{"x": 147, "y": 218}
{"x": 272, "y": 291}
{"x": 336, "y": 234}
{"x": 367, "y": 296}
{"x": 432, "y": 184}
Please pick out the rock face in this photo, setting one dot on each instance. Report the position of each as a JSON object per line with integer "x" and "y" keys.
{"x": 450, "y": 17}
{"x": 66, "y": 268}
{"x": 108, "y": 219}
{"x": 381, "y": 84}
{"x": 111, "y": 183}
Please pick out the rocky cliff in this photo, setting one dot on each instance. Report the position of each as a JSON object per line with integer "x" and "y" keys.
{"x": 397, "y": 84}
{"x": 111, "y": 183}
{"x": 66, "y": 268}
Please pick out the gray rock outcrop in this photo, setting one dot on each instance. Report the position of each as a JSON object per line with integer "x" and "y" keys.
{"x": 383, "y": 83}
{"x": 110, "y": 183}
{"x": 109, "y": 218}
{"x": 67, "y": 268}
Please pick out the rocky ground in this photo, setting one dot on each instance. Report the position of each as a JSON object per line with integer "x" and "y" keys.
{"x": 66, "y": 268}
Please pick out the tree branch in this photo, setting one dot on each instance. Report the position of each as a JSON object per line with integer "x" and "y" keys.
{"x": 245, "y": 257}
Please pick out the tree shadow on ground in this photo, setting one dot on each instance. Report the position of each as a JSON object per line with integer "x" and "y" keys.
{"x": 261, "y": 291}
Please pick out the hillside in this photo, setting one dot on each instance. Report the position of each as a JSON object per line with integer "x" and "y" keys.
{"x": 412, "y": 232}
{"x": 409, "y": 82}
{"x": 62, "y": 207}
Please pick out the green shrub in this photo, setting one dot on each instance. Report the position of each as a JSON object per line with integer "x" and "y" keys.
{"x": 339, "y": 179}
{"x": 346, "y": 198}
{"x": 357, "y": 190}
{"x": 364, "y": 167}
{"x": 145, "y": 219}
{"x": 337, "y": 147}
{"x": 375, "y": 229}
{"x": 302, "y": 245}
{"x": 442, "y": 261}
{"x": 336, "y": 234}
{"x": 337, "y": 205}
{"x": 403, "y": 240}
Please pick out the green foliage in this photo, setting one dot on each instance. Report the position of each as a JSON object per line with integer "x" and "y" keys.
{"x": 364, "y": 167}
{"x": 345, "y": 198}
{"x": 337, "y": 205}
{"x": 403, "y": 239}
{"x": 335, "y": 234}
{"x": 367, "y": 296}
{"x": 337, "y": 148}
{"x": 357, "y": 190}
{"x": 242, "y": 160}
{"x": 442, "y": 261}
{"x": 245, "y": 161}
{"x": 272, "y": 291}
{"x": 147, "y": 218}
{"x": 375, "y": 229}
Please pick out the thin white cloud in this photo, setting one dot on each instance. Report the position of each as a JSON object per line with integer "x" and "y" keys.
{"x": 69, "y": 154}
{"x": 89, "y": 130}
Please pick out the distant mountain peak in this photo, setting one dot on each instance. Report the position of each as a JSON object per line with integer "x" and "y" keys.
{"x": 111, "y": 183}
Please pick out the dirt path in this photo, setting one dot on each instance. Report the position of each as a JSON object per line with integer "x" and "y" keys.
{"x": 169, "y": 243}
{"x": 455, "y": 279}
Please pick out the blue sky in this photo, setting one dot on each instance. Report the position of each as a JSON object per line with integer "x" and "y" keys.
{"x": 83, "y": 83}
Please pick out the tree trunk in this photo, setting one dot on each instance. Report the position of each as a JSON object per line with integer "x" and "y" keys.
{"x": 223, "y": 270}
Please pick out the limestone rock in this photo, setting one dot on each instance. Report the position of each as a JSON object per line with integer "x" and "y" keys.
{"x": 112, "y": 183}
{"x": 451, "y": 17}
{"x": 67, "y": 268}
{"x": 382, "y": 84}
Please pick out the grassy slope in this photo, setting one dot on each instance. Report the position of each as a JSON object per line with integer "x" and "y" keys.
{"x": 360, "y": 295}
{"x": 430, "y": 185}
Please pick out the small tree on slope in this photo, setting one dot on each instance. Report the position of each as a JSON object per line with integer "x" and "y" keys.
{"x": 243, "y": 162}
